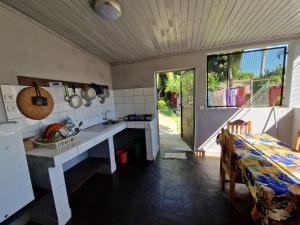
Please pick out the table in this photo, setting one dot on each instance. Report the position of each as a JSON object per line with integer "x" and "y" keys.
{"x": 271, "y": 171}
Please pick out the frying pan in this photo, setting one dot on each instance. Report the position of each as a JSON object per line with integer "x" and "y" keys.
{"x": 75, "y": 101}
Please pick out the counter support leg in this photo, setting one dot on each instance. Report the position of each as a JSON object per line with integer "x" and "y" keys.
{"x": 60, "y": 195}
{"x": 113, "y": 166}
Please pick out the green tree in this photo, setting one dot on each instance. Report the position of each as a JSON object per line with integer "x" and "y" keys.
{"x": 173, "y": 83}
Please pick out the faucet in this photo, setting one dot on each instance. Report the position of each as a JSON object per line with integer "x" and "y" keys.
{"x": 105, "y": 114}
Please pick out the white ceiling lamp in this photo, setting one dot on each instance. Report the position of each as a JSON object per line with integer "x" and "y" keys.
{"x": 108, "y": 9}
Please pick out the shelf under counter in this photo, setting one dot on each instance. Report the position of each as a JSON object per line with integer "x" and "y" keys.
{"x": 80, "y": 173}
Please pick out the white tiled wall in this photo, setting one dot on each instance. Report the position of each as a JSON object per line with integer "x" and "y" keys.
{"x": 88, "y": 115}
{"x": 134, "y": 101}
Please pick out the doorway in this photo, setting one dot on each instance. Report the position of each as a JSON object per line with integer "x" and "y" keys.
{"x": 175, "y": 104}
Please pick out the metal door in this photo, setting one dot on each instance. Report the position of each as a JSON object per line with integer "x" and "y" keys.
{"x": 187, "y": 107}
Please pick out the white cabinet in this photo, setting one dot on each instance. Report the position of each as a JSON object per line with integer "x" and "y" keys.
{"x": 15, "y": 184}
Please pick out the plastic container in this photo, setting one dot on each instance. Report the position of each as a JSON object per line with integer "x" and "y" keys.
{"x": 139, "y": 149}
{"x": 122, "y": 156}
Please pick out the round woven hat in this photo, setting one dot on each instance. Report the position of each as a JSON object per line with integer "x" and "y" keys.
{"x": 30, "y": 110}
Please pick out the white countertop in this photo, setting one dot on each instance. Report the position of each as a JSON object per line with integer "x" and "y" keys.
{"x": 86, "y": 139}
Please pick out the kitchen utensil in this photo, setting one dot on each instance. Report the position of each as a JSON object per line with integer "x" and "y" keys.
{"x": 74, "y": 100}
{"x": 104, "y": 93}
{"x": 101, "y": 100}
{"x": 38, "y": 99}
{"x": 88, "y": 93}
{"x": 33, "y": 105}
{"x": 67, "y": 96}
{"x": 96, "y": 87}
{"x": 86, "y": 103}
{"x": 77, "y": 129}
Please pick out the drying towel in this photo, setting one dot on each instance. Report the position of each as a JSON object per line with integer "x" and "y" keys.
{"x": 218, "y": 97}
{"x": 231, "y": 94}
{"x": 241, "y": 96}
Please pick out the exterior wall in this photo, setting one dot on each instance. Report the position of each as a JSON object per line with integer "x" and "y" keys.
{"x": 293, "y": 84}
{"x": 296, "y": 125}
{"x": 208, "y": 120}
{"x": 28, "y": 49}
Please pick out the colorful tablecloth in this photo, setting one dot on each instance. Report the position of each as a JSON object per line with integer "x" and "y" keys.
{"x": 271, "y": 171}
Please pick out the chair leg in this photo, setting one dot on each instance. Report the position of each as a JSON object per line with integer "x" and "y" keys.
{"x": 221, "y": 165}
{"x": 223, "y": 177}
{"x": 232, "y": 187}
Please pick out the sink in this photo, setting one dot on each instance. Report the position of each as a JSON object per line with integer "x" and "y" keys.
{"x": 109, "y": 122}
{"x": 96, "y": 128}
{"x": 101, "y": 126}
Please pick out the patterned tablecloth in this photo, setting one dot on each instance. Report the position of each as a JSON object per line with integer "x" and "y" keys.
{"x": 271, "y": 171}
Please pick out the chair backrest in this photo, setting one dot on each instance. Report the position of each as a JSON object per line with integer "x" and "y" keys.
{"x": 298, "y": 141}
{"x": 227, "y": 145}
{"x": 239, "y": 126}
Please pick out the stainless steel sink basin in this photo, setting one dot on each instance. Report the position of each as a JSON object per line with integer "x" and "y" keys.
{"x": 109, "y": 122}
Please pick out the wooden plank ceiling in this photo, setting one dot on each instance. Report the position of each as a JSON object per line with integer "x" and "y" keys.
{"x": 152, "y": 28}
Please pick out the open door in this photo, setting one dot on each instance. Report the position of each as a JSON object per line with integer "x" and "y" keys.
{"x": 187, "y": 107}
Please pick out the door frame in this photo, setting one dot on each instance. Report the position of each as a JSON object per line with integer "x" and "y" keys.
{"x": 194, "y": 106}
{"x": 156, "y": 73}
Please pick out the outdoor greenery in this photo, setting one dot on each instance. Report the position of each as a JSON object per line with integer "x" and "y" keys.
{"x": 167, "y": 111}
{"x": 161, "y": 104}
{"x": 168, "y": 82}
{"x": 226, "y": 68}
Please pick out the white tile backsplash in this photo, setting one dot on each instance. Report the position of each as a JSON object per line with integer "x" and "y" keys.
{"x": 138, "y": 91}
{"x": 119, "y": 107}
{"x": 128, "y": 92}
{"x": 128, "y": 99}
{"x": 149, "y": 106}
{"x": 138, "y": 99}
{"x": 89, "y": 115}
{"x": 149, "y": 91}
{"x": 135, "y": 100}
{"x": 118, "y": 93}
{"x": 119, "y": 100}
{"x": 149, "y": 98}
{"x": 129, "y": 107}
{"x": 139, "y": 106}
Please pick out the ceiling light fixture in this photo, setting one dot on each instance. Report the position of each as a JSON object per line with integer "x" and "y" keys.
{"x": 108, "y": 9}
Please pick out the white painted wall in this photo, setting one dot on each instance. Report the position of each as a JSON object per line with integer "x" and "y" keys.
{"x": 292, "y": 86}
{"x": 208, "y": 120}
{"x": 29, "y": 49}
{"x": 296, "y": 125}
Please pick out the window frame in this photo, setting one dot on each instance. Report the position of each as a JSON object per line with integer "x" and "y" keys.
{"x": 285, "y": 47}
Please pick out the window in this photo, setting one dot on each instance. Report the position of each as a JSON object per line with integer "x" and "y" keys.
{"x": 248, "y": 78}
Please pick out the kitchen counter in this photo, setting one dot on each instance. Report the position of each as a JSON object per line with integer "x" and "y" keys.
{"x": 86, "y": 139}
{"x": 47, "y": 171}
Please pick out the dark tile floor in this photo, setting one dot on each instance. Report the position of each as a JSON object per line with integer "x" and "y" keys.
{"x": 164, "y": 192}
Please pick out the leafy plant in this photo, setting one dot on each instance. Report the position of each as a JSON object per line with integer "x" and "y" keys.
{"x": 161, "y": 105}
{"x": 213, "y": 82}
{"x": 173, "y": 83}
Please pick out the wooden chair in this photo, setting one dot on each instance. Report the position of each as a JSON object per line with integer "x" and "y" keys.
{"x": 227, "y": 161}
{"x": 298, "y": 141}
{"x": 239, "y": 126}
{"x": 235, "y": 127}
{"x": 228, "y": 164}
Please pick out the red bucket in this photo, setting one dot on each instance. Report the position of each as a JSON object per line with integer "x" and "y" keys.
{"x": 122, "y": 156}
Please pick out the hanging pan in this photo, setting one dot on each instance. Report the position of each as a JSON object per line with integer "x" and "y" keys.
{"x": 75, "y": 101}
